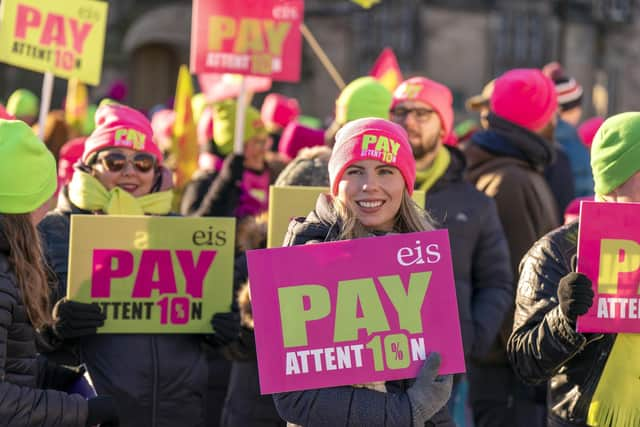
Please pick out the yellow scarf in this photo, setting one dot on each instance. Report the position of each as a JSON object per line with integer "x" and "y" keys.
{"x": 616, "y": 402}
{"x": 87, "y": 193}
{"x": 426, "y": 178}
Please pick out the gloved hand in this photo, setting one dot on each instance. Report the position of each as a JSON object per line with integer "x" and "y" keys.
{"x": 102, "y": 411}
{"x": 230, "y": 339}
{"x": 59, "y": 377}
{"x": 575, "y": 295}
{"x": 430, "y": 392}
{"x": 226, "y": 328}
{"x": 76, "y": 319}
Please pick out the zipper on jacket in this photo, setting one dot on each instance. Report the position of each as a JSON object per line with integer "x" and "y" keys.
{"x": 154, "y": 385}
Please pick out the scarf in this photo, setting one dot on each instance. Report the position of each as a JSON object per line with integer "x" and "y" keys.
{"x": 87, "y": 193}
{"x": 426, "y": 178}
{"x": 615, "y": 401}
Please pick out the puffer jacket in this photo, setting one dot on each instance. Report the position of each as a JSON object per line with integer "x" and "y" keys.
{"x": 24, "y": 400}
{"x": 157, "y": 380}
{"x": 480, "y": 254}
{"x": 544, "y": 346}
{"x": 344, "y": 406}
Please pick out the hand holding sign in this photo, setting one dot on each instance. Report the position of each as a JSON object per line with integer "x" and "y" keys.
{"x": 430, "y": 392}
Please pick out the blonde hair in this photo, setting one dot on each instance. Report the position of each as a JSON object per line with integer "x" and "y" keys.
{"x": 409, "y": 218}
{"x": 26, "y": 258}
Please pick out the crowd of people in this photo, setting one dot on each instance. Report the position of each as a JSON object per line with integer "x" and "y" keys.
{"x": 503, "y": 187}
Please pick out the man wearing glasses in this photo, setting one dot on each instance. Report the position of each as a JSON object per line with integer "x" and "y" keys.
{"x": 482, "y": 270}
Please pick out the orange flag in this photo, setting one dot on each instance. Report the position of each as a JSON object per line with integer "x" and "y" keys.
{"x": 76, "y": 104}
{"x": 387, "y": 70}
{"x": 185, "y": 144}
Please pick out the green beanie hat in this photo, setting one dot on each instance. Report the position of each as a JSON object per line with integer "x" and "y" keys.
{"x": 224, "y": 125}
{"x": 89, "y": 124}
{"x": 363, "y": 97}
{"x": 22, "y": 103}
{"x": 28, "y": 175}
{"x": 615, "y": 152}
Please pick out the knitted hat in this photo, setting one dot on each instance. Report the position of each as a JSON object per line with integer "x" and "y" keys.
{"x": 372, "y": 139}
{"x": 23, "y": 103}
{"x": 121, "y": 126}
{"x": 587, "y": 130}
{"x": 615, "y": 153}
{"x": 162, "y": 123}
{"x": 4, "y": 114}
{"x": 224, "y": 122}
{"x": 431, "y": 93}
{"x": 308, "y": 169}
{"x": 279, "y": 110}
{"x": 198, "y": 104}
{"x": 27, "y": 169}
{"x": 526, "y": 97}
{"x": 363, "y": 97}
{"x": 568, "y": 90}
{"x": 68, "y": 155}
{"x": 477, "y": 102}
{"x": 295, "y": 137}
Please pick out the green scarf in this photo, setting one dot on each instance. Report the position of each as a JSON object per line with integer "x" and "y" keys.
{"x": 426, "y": 178}
{"x": 615, "y": 401}
{"x": 86, "y": 192}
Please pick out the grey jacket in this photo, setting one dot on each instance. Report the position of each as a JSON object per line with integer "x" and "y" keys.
{"x": 23, "y": 400}
{"x": 344, "y": 406}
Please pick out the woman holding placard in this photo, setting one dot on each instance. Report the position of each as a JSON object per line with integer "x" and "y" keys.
{"x": 371, "y": 186}
{"x": 29, "y": 384}
{"x": 157, "y": 380}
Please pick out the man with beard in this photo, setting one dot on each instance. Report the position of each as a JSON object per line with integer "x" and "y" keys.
{"x": 484, "y": 282}
{"x": 507, "y": 162}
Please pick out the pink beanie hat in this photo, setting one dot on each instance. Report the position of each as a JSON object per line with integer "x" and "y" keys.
{"x": 437, "y": 95}
{"x": 372, "y": 139}
{"x": 278, "y": 109}
{"x": 588, "y": 129}
{"x": 526, "y": 97}
{"x": 295, "y": 137}
{"x": 162, "y": 123}
{"x": 121, "y": 126}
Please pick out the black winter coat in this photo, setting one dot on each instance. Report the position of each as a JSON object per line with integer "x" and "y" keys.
{"x": 23, "y": 400}
{"x": 480, "y": 255}
{"x": 344, "y": 406}
{"x": 157, "y": 380}
{"x": 544, "y": 346}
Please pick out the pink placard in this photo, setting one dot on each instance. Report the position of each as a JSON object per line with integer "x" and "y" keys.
{"x": 251, "y": 37}
{"x": 609, "y": 254}
{"x": 354, "y": 312}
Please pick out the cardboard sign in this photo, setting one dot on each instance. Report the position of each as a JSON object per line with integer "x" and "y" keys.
{"x": 609, "y": 254}
{"x": 152, "y": 274}
{"x": 251, "y": 37}
{"x": 354, "y": 312}
{"x": 288, "y": 202}
{"x": 42, "y": 35}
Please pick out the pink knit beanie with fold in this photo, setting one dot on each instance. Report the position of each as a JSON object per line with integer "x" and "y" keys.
{"x": 279, "y": 110}
{"x": 295, "y": 137}
{"x": 372, "y": 139}
{"x": 526, "y": 97}
{"x": 121, "y": 126}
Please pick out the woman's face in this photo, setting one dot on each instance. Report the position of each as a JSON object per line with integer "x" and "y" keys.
{"x": 131, "y": 170}
{"x": 373, "y": 190}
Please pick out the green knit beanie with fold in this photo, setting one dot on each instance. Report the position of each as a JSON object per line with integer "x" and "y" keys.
{"x": 615, "y": 153}
{"x": 363, "y": 97}
{"x": 28, "y": 175}
{"x": 23, "y": 103}
{"x": 224, "y": 125}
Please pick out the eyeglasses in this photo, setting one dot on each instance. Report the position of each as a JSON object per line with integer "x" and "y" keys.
{"x": 115, "y": 162}
{"x": 420, "y": 114}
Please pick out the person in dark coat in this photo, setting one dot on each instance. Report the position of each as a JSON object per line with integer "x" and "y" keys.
{"x": 479, "y": 250}
{"x": 367, "y": 195}
{"x": 592, "y": 378}
{"x": 157, "y": 379}
{"x": 507, "y": 162}
{"x": 32, "y": 389}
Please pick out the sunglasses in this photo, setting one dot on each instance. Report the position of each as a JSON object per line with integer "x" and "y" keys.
{"x": 115, "y": 162}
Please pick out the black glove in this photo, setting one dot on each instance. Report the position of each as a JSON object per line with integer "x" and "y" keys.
{"x": 233, "y": 340}
{"x": 102, "y": 411}
{"x": 59, "y": 377}
{"x": 76, "y": 319}
{"x": 575, "y": 295}
{"x": 226, "y": 328}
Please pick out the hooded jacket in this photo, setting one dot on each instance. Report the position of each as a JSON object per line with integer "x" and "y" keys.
{"x": 480, "y": 254}
{"x": 25, "y": 400}
{"x": 157, "y": 380}
{"x": 344, "y": 406}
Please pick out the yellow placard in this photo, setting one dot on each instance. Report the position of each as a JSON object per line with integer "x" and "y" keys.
{"x": 49, "y": 36}
{"x": 288, "y": 202}
{"x": 152, "y": 274}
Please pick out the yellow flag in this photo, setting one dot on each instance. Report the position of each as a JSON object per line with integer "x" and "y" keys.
{"x": 185, "y": 144}
{"x": 366, "y": 3}
{"x": 76, "y": 104}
